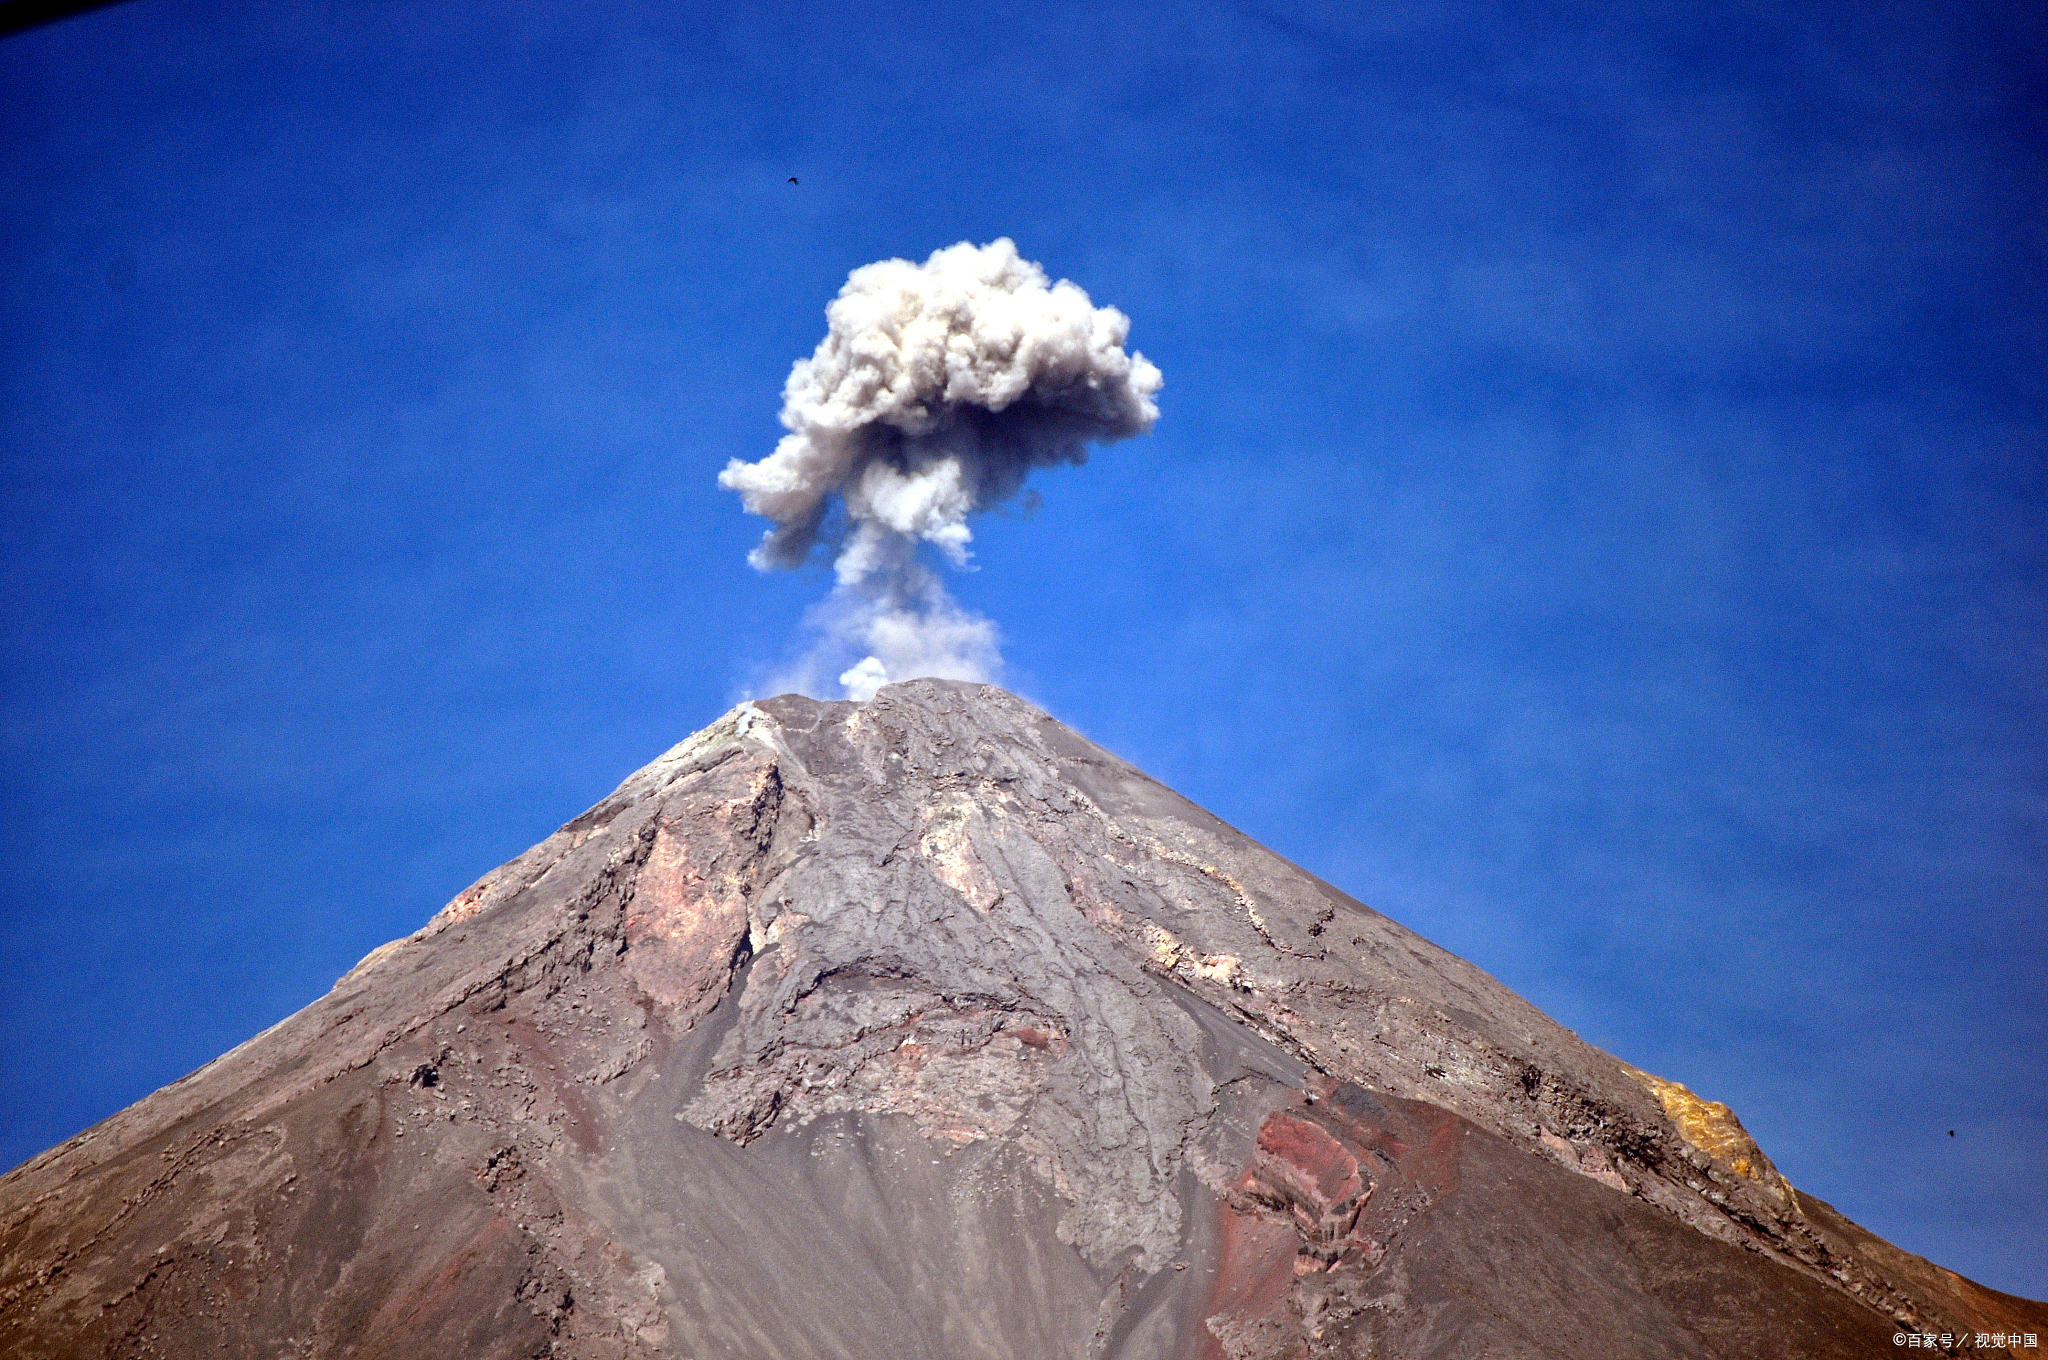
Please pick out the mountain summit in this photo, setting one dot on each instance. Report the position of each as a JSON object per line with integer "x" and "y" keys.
{"x": 925, "y": 1029}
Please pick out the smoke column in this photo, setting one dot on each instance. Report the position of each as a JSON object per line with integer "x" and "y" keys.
{"x": 936, "y": 390}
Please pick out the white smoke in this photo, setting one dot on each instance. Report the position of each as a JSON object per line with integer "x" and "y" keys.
{"x": 936, "y": 390}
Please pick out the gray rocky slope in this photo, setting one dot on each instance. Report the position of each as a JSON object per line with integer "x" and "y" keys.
{"x": 926, "y": 1028}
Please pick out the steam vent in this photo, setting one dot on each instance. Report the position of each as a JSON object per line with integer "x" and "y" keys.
{"x": 924, "y": 1029}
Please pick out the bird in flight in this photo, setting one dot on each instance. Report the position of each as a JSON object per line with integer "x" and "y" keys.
{"x": 792, "y": 179}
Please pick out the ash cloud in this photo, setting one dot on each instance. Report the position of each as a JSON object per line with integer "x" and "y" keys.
{"x": 937, "y": 390}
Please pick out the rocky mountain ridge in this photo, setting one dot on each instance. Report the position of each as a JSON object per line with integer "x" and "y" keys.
{"x": 924, "y": 1027}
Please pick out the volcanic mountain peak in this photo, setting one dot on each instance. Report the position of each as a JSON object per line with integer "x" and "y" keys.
{"x": 924, "y": 1027}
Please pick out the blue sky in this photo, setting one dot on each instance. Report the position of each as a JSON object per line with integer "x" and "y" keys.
{"x": 1595, "y": 515}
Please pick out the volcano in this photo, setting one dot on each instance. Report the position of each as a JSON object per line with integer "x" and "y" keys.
{"x": 925, "y": 1029}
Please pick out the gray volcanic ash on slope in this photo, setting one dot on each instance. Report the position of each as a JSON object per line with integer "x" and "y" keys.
{"x": 924, "y": 1028}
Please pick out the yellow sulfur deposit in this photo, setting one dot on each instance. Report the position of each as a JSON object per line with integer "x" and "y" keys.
{"x": 1713, "y": 1128}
